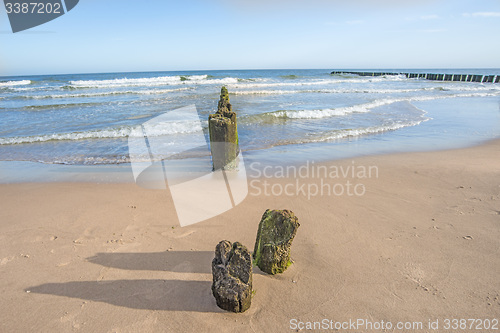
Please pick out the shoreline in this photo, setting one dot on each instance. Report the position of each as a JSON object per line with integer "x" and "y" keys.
{"x": 420, "y": 244}
{"x": 15, "y": 172}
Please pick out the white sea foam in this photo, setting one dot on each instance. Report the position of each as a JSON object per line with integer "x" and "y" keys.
{"x": 281, "y": 84}
{"x": 196, "y": 77}
{"x": 346, "y": 133}
{"x": 305, "y": 83}
{"x": 325, "y": 113}
{"x": 25, "y": 88}
{"x": 109, "y": 93}
{"x": 360, "y": 108}
{"x": 14, "y": 83}
{"x": 92, "y": 160}
{"x": 326, "y": 91}
{"x": 265, "y": 92}
{"x": 233, "y": 83}
{"x": 170, "y": 128}
{"x": 153, "y": 81}
{"x": 455, "y": 87}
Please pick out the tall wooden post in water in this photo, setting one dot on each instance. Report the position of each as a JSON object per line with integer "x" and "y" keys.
{"x": 223, "y": 134}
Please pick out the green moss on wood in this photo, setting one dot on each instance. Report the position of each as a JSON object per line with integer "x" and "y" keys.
{"x": 224, "y": 94}
{"x": 223, "y": 131}
{"x": 277, "y": 229}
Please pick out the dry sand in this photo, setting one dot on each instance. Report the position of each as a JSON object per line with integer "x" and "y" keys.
{"x": 422, "y": 243}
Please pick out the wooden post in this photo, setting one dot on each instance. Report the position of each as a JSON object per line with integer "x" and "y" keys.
{"x": 223, "y": 132}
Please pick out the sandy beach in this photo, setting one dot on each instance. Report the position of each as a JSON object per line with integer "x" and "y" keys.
{"x": 422, "y": 243}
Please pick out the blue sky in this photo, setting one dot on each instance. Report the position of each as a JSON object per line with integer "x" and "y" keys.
{"x": 158, "y": 35}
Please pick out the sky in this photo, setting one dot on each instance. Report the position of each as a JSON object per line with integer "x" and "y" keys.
{"x": 162, "y": 35}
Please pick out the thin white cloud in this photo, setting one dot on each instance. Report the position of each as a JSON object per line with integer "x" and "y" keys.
{"x": 482, "y": 14}
{"x": 361, "y": 5}
{"x": 431, "y": 31}
{"x": 351, "y": 22}
{"x": 423, "y": 18}
{"x": 429, "y": 17}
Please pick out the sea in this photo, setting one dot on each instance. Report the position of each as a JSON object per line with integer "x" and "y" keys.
{"x": 284, "y": 116}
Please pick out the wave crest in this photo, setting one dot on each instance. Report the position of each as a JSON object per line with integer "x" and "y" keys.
{"x": 149, "y": 82}
{"x": 14, "y": 83}
{"x": 170, "y": 128}
{"x": 108, "y": 93}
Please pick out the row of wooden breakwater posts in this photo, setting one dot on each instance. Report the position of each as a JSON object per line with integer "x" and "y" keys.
{"x": 435, "y": 77}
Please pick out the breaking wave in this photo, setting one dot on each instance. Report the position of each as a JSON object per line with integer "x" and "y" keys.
{"x": 360, "y": 108}
{"x": 327, "y": 91}
{"x": 108, "y": 93}
{"x": 325, "y": 113}
{"x": 347, "y": 133}
{"x": 14, "y": 83}
{"x": 150, "y": 82}
{"x": 170, "y": 128}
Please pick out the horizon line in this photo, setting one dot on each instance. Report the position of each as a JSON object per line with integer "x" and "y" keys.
{"x": 260, "y": 69}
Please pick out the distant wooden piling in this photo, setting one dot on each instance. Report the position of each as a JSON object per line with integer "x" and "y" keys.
{"x": 489, "y": 78}
{"x": 433, "y": 76}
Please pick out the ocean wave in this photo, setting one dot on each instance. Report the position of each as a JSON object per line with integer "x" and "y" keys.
{"x": 326, "y": 91}
{"x": 302, "y": 83}
{"x": 347, "y": 133}
{"x": 264, "y": 92}
{"x": 160, "y": 129}
{"x": 102, "y": 94}
{"x": 148, "y": 82}
{"x": 14, "y": 83}
{"x": 58, "y": 106}
{"x": 485, "y": 94}
{"x": 326, "y": 113}
{"x": 455, "y": 87}
{"x": 281, "y": 84}
{"x": 205, "y": 79}
{"x": 342, "y": 111}
{"x": 258, "y": 79}
{"x": 153, "y": 81}
{"x": 361, "y": 108}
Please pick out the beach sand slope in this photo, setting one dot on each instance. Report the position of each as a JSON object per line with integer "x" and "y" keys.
{"x": 423, "y": 243}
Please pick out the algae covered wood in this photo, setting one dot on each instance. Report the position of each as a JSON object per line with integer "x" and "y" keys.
{"x": 277, "y": 228}
{"x": 232, "y": 276}
{"x": 223, "y": 132}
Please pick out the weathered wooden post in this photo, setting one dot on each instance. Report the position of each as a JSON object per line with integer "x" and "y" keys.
{"x": 277, "y": 228}
{"x": 223, "y": 132}
{"x": 232, "y": 276}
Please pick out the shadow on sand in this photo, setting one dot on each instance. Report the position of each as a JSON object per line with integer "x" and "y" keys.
{"x": 167, "y": 295}
{"x": 172, "y": 261}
